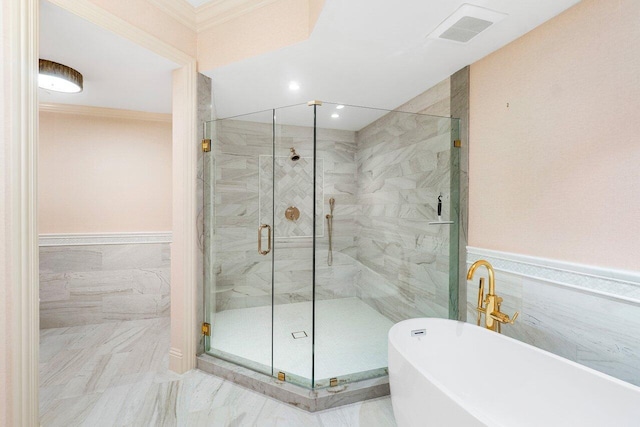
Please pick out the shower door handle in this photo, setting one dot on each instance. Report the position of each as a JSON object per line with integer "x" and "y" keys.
{"x": 262, "y": 227}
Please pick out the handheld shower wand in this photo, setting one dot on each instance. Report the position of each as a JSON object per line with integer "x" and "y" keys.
{"x": 329, "y": 216}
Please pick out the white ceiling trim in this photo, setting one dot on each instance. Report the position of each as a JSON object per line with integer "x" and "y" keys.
{"x": 180, "y": 10}
{"x": 113, "y": 113}
{"x": 208, "y": 15}
{"x": 220, "y": 11}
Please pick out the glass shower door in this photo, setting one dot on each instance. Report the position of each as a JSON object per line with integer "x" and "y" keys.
{"x": 391, "y": 197}
{"x": 294, "y": 207}
{"x": 324, "y": 225}
{"x": 239, "y": 240}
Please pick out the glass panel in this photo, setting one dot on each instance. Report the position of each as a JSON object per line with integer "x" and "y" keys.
{"x": 390, "y": 252}
{"x": 359, "y": 241}
{"x": 238, "y": 278}
{"x": 293, "y": 210}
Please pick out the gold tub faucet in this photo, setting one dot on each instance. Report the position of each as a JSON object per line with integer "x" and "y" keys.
{"x": 489, "y": 305}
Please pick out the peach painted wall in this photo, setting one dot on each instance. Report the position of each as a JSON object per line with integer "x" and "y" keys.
{"x": 265, "y": 29}
{"x": 554, "y": 146}
{"x": 99, "y": 174}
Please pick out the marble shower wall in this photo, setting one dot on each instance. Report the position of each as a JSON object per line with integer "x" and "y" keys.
{"x": 203, "y": 193}
{"x": 403, "y": 166}
{"x": 243, "y": 277}
{"x": 401, "y": 279}
{"x": 82, "y": 285}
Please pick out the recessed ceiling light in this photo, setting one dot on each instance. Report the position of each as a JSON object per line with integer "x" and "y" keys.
{"x": 294, "y": 86}
{"x": 340, "y": 107}
{"x": 58, "y": 77}
{"x": 335, "y": 115}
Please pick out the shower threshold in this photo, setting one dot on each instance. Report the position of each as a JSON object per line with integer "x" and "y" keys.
{"x": 300, "y": 397}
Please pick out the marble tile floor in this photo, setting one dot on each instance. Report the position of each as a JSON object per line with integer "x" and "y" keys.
{"x": 116, "y": 374}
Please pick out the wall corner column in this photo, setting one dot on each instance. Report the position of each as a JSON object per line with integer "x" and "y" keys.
{"x": 184, "y": 249}
{"x": 19, "y": 324}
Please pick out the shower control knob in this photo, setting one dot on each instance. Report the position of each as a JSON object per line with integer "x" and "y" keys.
{"x": 292, "y": 213}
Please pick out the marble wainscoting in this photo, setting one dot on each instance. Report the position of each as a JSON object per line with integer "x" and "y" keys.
{"x": 91, "y": 284}
{"x": 585, "y": 314}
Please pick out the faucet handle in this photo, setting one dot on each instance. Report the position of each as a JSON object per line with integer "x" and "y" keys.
{"x": 515, "y": 316}
{"x": 503, "y": 318}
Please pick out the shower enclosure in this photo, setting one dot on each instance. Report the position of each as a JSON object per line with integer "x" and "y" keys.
{"x": 322, "y": 231}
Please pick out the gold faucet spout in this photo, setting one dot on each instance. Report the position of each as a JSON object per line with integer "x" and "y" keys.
{"x": 489, "y": 306}
{"x": 474, "y": 267}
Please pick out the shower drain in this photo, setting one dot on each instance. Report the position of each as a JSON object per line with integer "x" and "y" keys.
{"x": 299, "y": 334}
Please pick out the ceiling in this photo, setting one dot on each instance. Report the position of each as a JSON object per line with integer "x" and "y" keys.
{"x": 373, "y": 53}
{"x": 117, "y": 73}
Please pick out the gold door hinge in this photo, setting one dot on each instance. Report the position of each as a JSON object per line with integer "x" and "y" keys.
{"x": 333, "y": 382}
{"x": 457, "y": 143}
{"x": 281, "y": 376}
{"x": 206, "y": 329}
{"x": 206, "y": 145}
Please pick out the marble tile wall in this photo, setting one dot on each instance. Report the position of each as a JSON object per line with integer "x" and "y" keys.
{"x": 81, "y": 285}
{"x": 203, "y": 193}
{"x": 242, "y": 276}
{"x": 293, "y": 189}
{"x": 594, "y": 330}
{"x": 403, "y": 166}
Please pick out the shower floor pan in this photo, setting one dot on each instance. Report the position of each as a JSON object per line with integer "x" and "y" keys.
{"x": 351, "y": 338}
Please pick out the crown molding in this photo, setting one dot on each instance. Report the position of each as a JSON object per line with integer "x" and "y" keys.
{"x": 85, "y": 110}
{"x": 220, "y": 11}
{"x": 180, "y": 10}
{"x": 208, "y": 15}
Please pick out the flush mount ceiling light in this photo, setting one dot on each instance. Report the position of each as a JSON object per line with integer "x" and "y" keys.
{"x": 335, "y": 115}
{"x": 465, "y": 23}
{"x": 59, "y": 77}
{"x": 339, "y": 107}
{"x": 294, "y": 86}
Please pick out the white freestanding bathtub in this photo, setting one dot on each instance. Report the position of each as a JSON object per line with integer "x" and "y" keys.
{"x": 458, "y": 374}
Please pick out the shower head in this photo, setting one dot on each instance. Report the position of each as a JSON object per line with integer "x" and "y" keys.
{"x": 294, "y": 156}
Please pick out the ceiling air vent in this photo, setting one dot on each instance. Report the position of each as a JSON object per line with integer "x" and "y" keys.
{"x": 465, "y": 23}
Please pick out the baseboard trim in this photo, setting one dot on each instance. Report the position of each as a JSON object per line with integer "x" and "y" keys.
{"x": 175, "y": 360}
{"x": 612, "y": 283}
{"x": 88, "y": 239}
